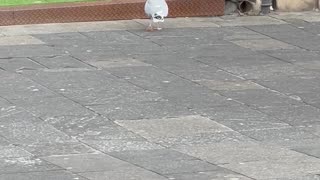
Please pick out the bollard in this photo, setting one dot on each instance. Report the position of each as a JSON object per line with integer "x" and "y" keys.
{"x": 265, "y": 6}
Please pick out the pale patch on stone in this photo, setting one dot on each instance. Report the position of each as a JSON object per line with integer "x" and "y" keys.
{"x": 19, "y": 40}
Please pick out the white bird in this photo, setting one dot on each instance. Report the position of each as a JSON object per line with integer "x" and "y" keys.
{"x": 157, "y": 10}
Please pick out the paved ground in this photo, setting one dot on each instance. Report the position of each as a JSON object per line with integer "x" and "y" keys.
{"x": 206, "y": 98}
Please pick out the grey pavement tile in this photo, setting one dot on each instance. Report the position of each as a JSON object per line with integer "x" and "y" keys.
{"x": 115, "y": 37}
{"x": 176, "y": 32}
{"x": 18, "y": 64}
{"x": 253, "y": 125}
{"x": 284, "y": 134}
{"x": 165, "y": 166}
{"x": 15, "y": 86}
{"x": 19, "y": 40}
{"x": 87, "y": 162}
{"x": 193, "y": 130}
{"x": 249, "y": 21}
{"x": 178, "y": 90}
{"x": 234, "y": 113}
{"x": 268, "y": 71}
{"x": 61, "y": 36}
{"x": 7, "y": 108}
{"x": 227, "y": 61}
{"x": 308, "y": 16}
{"x": 263, "y": 44}
{"x": 92, "y": 87}
{"x": 311, "y": 27}
{"x": 47, "y": 175}
{"x": 186, "y": 67}
{"x": 312, "y": 98}
{"x": 90, "y": 128}
{"x": 143, "y": 48}
{"x": 283, "y": 168}
{"x": 132, "y": 173}
{"x": 275, "y": 28}
{"x": 118, "y": 145}
{"x": 150, "y": 78}
{"x": 123, "y": 110}
{"x": 294, "y": 56}
{"x": 117, "y": 62}
{"x": 237, "y": 152}
{"x": 292, "y": 84}
{"x": 151, "y": 155}
{"x": 310, "y": 151}
{"x": 261, "y": 98}
{"x": 57, "y": 148}
{"x": 212, "y": 175}
{"x": 27, "y": 51}
{"x": 12, "y": 151}
{"x": 47, "y": 107}
{"x": 172, "y": 127}
{"x": 22, "y": 128}
{"x": 203, "y": 139}
{"x": 99, "y": 56}
{"x": 57, "y": 62}
{"x": 294, "y": 115}
{"x": 296, "y": 143}
{"x": 230, "y": 85}
{"x": 211, "y": 50}
{"x": 25, "y": 164}
{"x": 306, "y": 177}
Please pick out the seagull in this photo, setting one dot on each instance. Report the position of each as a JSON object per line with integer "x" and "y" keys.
{"x": 157, "y": 10}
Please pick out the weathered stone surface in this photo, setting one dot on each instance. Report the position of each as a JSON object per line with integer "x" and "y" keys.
{"x": 115, "y": 145}
{"x": 25, "y": 164}
{"x": 19, "y": 64}
{"x": 277, "y": 168}
{"x": 134, "y": 173}
{"x": 57, "y": 62}
{"x": 219, "y": 174}
{"x": 221, "y": 98}
{"x": 236, "y": 152}
{"x": 87, "y": 162}
{"x": 47, "y": 175}
{"x": 19, "y": 40}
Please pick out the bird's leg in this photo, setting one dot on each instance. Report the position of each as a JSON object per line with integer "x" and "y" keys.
{"x": 150, "y": 27}
{"x": 158, "y": 26}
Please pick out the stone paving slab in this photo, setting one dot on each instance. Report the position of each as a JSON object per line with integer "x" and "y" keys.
{"x": 205, "y": 98}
